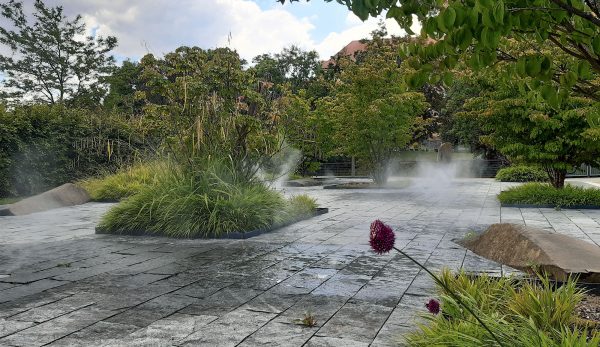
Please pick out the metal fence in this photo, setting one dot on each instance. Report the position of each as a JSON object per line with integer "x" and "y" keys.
{"x": 585, "y": 171}
{"x": 463, "y": 168}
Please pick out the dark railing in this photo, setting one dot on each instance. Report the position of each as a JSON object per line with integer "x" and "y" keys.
{"x": 463, "y": 168}
{"x": 584, "y": 171}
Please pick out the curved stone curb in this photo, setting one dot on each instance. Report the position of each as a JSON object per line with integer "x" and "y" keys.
{"x": 572, "y": 207}
{"x": 234, "y": 235}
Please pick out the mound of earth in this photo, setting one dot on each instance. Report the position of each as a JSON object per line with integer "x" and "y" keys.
{"x": 65, "y": 195}
{"x": 523, "y": 248}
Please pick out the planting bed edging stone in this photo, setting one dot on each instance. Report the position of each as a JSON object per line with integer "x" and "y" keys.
{"x": 234, "y": 235}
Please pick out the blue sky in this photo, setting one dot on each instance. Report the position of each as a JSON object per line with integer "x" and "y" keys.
{"x": 255, "y": 26}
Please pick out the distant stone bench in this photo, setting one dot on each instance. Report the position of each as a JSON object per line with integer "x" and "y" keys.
{"x": 66, "y": 195}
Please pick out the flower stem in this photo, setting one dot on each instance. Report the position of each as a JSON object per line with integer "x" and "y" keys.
{"x": 451, "y": 292}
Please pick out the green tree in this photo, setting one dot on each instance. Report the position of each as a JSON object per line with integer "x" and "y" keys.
{"x": 465, "y": 128}
{"x": 372, "y": 113}
{"x": 205, "y": 104}
{"x": 267, "y": 68}
{"x": 123, "y": 85}
{"x": 531, "y": 132}
{"x": 49, "y": 63}
{"x": 292, "y": 65}
{"x": 298, "y": 66}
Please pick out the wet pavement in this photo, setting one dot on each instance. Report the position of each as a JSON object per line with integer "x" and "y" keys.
{"x": 61, "y": 285}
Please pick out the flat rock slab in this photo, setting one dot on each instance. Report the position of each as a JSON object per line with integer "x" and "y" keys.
{"x": 522, "y": 247}
{"x": 66, "y": 195}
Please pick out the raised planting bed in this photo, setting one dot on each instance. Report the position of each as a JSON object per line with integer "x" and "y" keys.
{"x": 542, "y": 195}
{"x": 368, "y": 185}
{"x": 234, "y": 235}
{"x": 573, "y": 207}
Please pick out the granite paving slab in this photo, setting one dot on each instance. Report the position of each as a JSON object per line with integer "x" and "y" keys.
{"x": 63, "y": 285}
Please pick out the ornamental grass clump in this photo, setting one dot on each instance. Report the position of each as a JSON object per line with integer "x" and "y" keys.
{"x": 209, "y": 201}
{"x": 484, "y": 311}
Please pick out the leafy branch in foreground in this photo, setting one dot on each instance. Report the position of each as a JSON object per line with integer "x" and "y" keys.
{"x": 474, "y": 31}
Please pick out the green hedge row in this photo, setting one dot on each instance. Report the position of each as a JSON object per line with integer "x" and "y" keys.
{"x": 545, "y": 194}
{"x": 45, "y": 146}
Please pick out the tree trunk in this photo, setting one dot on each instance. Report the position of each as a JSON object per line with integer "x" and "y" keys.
{"x": 557, "y": 177}
{"x": 380, "y": 174}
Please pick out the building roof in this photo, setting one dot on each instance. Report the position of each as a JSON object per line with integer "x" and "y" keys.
{"x": 349, "y": 50}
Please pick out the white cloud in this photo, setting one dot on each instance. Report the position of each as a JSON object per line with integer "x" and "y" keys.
{"x": 160, "y": 26}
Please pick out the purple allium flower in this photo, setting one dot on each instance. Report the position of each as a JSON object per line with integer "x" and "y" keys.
{"x": 382, "y": 237}
{"x": 433, "y": 306}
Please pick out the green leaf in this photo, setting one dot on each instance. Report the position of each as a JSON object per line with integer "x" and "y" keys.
{"x": 485, "y": 39}
{"x": 533, "y": 66}
{"x": 441, "y": 24}
{"x": 485, "y": 3}
{"x": 473, "y": 18}
{"x": 521, "y": 67}
{"x": 486, "y": 18}
{"x": 568, "y": 79}
{"x": 460, "y": 16}
{"x": 499, "y": 12}
{"x": 447, "y": 79}
{"x": 546, "y": 64}
{"x": 475, "y": 62}
{"x": 466, "y": 38}
{"x": 360, "y": 10}
{"x": 584, "y": 69}
{"x": 596, "y": 45}
{"x": 449, "y": 17}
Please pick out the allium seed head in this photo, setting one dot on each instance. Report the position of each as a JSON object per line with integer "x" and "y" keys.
{"x": 382, "y": 237}
{"x": 433, "y": 306}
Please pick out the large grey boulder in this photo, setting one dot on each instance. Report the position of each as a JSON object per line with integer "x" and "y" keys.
{"x": 523, "y": 248}
{"x": 65, "y": 195}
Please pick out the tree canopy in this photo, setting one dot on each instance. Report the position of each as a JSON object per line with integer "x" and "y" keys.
{"x": 48, "y": 62}
{"x": 372, "y": 112}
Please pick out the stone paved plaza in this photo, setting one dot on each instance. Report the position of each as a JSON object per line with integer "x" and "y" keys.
{"x": 61, "y": 285}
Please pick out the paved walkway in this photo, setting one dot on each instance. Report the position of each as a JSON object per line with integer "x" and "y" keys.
{"x": 61, "y": 285}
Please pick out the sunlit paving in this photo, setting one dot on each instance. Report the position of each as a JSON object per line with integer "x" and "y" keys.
{"x": 300, "y": 173}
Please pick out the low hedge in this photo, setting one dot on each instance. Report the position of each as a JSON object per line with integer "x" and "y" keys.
{"x": 544, "y": 194}
{"x": 522, "y": 173}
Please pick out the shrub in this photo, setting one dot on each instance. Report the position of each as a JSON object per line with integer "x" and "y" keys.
{"x": 43, "y": 146}
{"x": 522, "y": 173}
{"x": 519, "y": 312}
{"x": 210, "y": 201}
{"x": 544, "y": 194}
{"x": 124, "y": 183}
